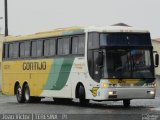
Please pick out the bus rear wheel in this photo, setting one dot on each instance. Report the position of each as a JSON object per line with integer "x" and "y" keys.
{"x": 126, "y": 103}
{"x": 82, "y": 96}
{"x": 19, "y": 94}
{"x": 28, "y": 98}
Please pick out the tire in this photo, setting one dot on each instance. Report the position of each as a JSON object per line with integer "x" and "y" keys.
{"x": 82, "y": 99}
{"x": 19, "y": 94}
{"x": 28, "y": 98}
{"x": 126, "y": 103}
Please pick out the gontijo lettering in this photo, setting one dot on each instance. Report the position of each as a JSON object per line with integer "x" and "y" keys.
{"x": 34, "y": 66}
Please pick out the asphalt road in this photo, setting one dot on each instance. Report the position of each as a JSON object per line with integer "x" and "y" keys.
{"x": 139, "y": 110}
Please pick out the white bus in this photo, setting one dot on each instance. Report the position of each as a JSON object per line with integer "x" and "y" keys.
{"x": 90, "y": 63}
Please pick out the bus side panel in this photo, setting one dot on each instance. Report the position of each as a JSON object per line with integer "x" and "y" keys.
{"x": 58, "y": 82}
{"x": 33, "y": 72}
{"x": 12, "y": 73}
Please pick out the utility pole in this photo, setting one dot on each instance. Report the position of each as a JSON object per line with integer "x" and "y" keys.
{"x": 6, "y": 17}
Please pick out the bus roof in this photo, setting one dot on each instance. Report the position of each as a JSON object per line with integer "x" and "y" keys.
{"x": 74, "y": 30}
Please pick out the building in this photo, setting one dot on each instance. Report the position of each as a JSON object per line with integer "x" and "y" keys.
{"x": 156, "y": 47}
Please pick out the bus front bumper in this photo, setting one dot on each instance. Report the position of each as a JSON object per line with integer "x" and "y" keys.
{"x": 126, "y": 93}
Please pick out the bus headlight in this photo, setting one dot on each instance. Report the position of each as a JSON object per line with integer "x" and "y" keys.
{"x": 151, "y": 92}
{"x": 110, "y": 93}
{"x": 105, "y": 85}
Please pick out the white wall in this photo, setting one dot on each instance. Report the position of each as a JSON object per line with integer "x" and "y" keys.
{"x": 156, "y": 47}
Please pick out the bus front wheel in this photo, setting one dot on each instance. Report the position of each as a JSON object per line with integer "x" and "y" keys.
{"x": 19, "y": 94}
{"x": 126, "y": 103}
{"x": 82, "y": 99}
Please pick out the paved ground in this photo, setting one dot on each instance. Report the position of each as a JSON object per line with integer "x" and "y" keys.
{"x": 95, "y": 110}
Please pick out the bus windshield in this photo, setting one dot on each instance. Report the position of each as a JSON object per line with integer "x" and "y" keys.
{"x": 125, "y": 39}
{"x": 127, "y": 63}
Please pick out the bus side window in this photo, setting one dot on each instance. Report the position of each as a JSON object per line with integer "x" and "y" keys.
{"x": 64, "y": 46}
{"x": 27, "y": 49}
{"x": 46, "y": 47}
{"x": 81, "y": 45}
{"x": 6, "y": 51}
{"x": 39, "y": 48}
{"x": 60, "y": 46}
{"x": 34, "y": 49}
{"x": 93, "y": 40}
{"x": 75, "y": 45}
{"x": 15, "y": 50}
{"x": 22, "y": 50}
{"x": 11, "y": 50}
{"x": 52, "y": 47}
{"x": 78, "y": 44}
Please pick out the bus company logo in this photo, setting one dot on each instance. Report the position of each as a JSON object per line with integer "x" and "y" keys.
{"x": 34, "y": 66}
{"x": 94, "y": 91}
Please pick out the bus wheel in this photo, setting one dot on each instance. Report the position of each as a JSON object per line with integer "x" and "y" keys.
{"x": 27, "y": 93}
{"x": 126, "y": 103}
{"x": 19, "y": 94}
{"x": 82, "y": 99}
{"x": 28, "y": 98}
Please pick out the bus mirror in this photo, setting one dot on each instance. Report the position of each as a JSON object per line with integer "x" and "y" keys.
{"x": 156, "y": 60}
{"x": 99, "y": 60}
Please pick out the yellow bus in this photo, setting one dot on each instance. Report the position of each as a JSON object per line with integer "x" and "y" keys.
{"x": 89, "y": 63}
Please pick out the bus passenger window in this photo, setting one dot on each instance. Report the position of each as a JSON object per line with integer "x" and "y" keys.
{"x": 60, "y": 46}
{"x": 22, "y": 50}
{"x": 81, "y": 45}
{"x": 34, "y": 49}
{"x": 52, "y": 47}
{"x": 5, "y": 54}
{"x": 46, "y": 48}
{"x": 66, "y": 46}
{"x": 15, "y": 50}
{"x": 78, "y": 44}
{"x": 75, "y": 45}
{"x": 63, "y": 46}
{"x": 27, "y": 48}
{"x": 11, "y": 50}
{"x": 39, "y": 48}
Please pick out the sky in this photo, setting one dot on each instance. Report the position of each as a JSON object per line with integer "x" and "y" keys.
{"x": 32, "y": 16}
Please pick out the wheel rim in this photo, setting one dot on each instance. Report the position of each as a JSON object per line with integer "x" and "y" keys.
{"x": 19, "y": 93}
{"x": 27, "y": 95}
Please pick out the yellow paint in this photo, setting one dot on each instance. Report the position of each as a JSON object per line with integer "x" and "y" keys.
{"x": 52, "y": 33}
{"x": 126, "y": 81}
{"x": 94, "y": 91}
{"x": 13, "y": 72}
